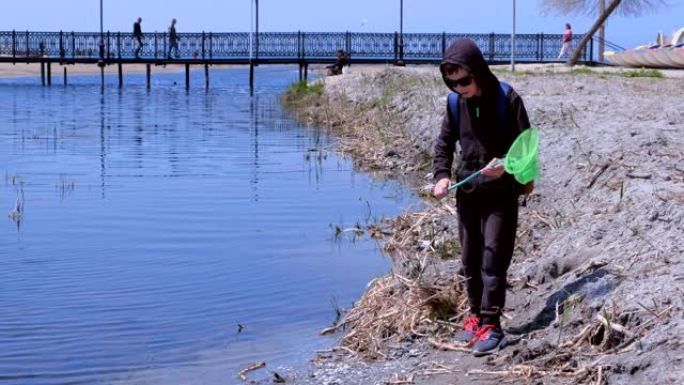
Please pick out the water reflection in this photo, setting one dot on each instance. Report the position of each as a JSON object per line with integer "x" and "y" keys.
{"x": 254, "y": 120}
{"x": 103, "y": 153}
{"x": 155, "y": 221}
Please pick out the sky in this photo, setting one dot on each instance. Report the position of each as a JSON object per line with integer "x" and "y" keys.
{"x": 457, "y": 16}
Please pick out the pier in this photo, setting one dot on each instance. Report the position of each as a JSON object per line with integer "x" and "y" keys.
{"x": 237, "y": 48}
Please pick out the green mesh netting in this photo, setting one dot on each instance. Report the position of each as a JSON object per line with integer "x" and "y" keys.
{"x": 522, "y": 158}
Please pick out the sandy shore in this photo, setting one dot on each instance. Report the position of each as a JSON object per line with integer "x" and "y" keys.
{"x": 521, "y": 69}
{"x": 560, "y": 68}
{"x": 596, "y": 287}
{"x": 33, "y": 69}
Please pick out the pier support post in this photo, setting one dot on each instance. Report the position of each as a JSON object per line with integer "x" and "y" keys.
{"x": 148, "y": 70}
{"x": 101, "y": 77}
{"x": 187, "y": 76}
{"x": 49, "y": 73}
{"x": 65, "y": 75}
{"x": 306, "y": 71}
{"x": 206, "y": 76}
{"x": 42, "y": 73}
{"x": 251, "y": 76}
{"x": 120, "y": 65}
{"x": 301, "y": 74}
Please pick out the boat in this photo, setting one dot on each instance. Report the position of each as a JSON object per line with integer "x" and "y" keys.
{"x": 676, "y": 55}
{"x": 659, "y": 55}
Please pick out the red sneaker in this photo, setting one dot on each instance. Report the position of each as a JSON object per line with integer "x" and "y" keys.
{"x": 490, "y": 339}
{"x": 469, "y": 330}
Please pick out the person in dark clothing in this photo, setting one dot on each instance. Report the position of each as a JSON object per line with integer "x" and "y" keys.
{"x": 173, "y": 39}
{"x": 488, "y": 207}
{"x": 138, "y": 36}
{"x": 342, "y": 60}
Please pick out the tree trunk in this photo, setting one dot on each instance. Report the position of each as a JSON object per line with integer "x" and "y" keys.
{"x": 599, "y": 22}
{"x": 602, "y": 33}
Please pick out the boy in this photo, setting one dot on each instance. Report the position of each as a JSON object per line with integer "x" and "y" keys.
{"x": 490, "y": 117}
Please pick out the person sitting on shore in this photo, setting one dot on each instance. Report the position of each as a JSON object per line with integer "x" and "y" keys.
{"x": 490, "y": 116}
{"x": 342, "y": 60}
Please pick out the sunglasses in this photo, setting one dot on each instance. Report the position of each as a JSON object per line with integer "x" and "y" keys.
{"x": 463, "y": 82}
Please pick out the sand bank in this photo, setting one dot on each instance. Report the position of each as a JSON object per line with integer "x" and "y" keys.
{"x": 596, "y": 286}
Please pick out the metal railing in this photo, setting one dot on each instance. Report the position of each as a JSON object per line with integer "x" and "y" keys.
{"x": 289, "y": 46}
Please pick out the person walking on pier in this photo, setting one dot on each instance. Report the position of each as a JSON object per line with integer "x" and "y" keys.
{"x": 173, "y": 39}
{"x": 485, "y": 116}
{"x": 138, "y": 37}
{"x": 565, "y": 40}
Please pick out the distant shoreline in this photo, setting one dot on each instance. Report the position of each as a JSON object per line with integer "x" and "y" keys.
{"x": 9, "y": 70}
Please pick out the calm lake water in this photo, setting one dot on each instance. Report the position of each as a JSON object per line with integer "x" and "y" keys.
{"x": 154, "y": 222}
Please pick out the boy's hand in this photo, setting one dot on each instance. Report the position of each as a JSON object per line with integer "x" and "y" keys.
{"x": 441, "y": 188}
{"x": 494, "y": 169}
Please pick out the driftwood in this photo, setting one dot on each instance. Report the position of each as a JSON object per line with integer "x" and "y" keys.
{"x": 449, "y": 346}
{"x": 254, "y": 366}
{"x": 597, "y": 174}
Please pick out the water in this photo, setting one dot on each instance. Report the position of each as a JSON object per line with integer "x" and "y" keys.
{"x": 154, "y": 222}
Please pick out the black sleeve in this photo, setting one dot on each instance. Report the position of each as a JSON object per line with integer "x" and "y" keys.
{"x": 445, "y": 145}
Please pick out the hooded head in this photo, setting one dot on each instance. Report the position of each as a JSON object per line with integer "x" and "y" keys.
{"x": 465, "y": 57}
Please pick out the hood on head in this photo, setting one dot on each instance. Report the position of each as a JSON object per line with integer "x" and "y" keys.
{"x": 465, "y": 53}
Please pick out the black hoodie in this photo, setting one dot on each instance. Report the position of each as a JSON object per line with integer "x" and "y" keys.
{"x": 481, "y": 138}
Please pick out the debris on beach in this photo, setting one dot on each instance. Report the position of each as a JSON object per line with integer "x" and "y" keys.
{"x": 595, "y": 286}
{"x": 250, "y": 368}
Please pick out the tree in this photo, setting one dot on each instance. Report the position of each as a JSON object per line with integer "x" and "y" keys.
{"x": 598, "y": 7}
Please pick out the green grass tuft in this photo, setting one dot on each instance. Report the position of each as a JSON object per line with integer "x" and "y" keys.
{"x": 637, "y": 73}
{"x": 302, "y": 90}
{"x": 582, "y": 71}
{"x": 449, "y": 249}
{"x": 642, "y": 73}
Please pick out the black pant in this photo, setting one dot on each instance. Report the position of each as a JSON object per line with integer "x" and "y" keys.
{"x": 488, "y": 219}
{"x": 173, "y": 45}
{"x": 138, "y": 39}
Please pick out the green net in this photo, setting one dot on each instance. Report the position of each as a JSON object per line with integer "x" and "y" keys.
{"x": 522, "y": 158}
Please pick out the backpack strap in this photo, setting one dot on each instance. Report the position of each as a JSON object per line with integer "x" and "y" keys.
{"x": 501, "y": 108}
{"x": 454, "y": 112}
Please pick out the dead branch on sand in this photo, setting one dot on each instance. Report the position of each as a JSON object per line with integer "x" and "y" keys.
{"x": 254, "y": 366}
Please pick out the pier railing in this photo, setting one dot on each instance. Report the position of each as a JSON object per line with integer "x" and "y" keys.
{"x": 273, "y": 46}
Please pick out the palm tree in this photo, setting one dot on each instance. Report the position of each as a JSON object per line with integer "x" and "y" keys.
{"x": 598, "y": 7}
